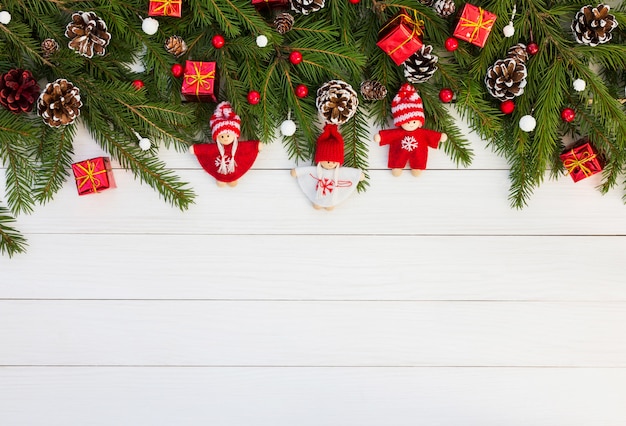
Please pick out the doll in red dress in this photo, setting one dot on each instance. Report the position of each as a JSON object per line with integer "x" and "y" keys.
{"x": 409, "y": 142}
{"x": 228, "y": 158}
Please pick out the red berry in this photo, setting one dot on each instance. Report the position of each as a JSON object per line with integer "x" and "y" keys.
{"x": 532, "y": 49}
{"x": 446, "y": 95}
{"x": 138, "y": 84}
{"x": 218, "y": 41}
{"x": 302, "y": 91}
{"x": 295, "y": 57}
{"x": 507, "y": 107}
{"x": 451, "y": 44}
{"x": 568, "y": 115}
{"x": 177, "y": 70}
{"x": 254, "y": 97}
{"x": 354, "y": 1}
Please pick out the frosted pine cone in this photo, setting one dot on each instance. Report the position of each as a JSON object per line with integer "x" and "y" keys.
{"x": 175, "y": 45}
{"x": 18, "y": 90}
{"x": 336, "y": 101}
{"x": 444, "y": 8}
{"x": 593, "y": 25}
{"x": 59, "y": 104}
{"x": 283, "y": 22}
{"x": 373, "y": 90}
{"x": 506, "y": 79}
{"x": 48, "y": 47}
{"x": 306, "y": 6}
{"x": 518, "y": 52}
{"x": 421, "y": 65}
{"x": 88, "y": 34}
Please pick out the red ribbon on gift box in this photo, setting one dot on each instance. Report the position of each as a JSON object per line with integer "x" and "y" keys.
{"x": 415, "y": 23}
{"x": 167, "y": 6}
{"x": 479, "y": 24}
{"x": 199, "y": 79}
{"x": 89, "y": 175}
{"x": 572, "y": 163}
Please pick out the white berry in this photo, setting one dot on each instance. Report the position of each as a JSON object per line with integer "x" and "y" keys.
{"x": 150, "y": 26}
{"x": 288, "y": 128}
{"x": 579, "y": 84}
{"x": 261, "y": 41}
{"x": 145, "y": 144}
{"x": 5, "y": 17}
{"x": 509, "y": 30}
{"x": 527, "y": 123}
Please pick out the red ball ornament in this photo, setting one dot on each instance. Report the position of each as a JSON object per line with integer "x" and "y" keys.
{"x": 302, "y": 91}
{"x": 295, "y": 57}
{"x": 532, "y": 49}
{"x": 451, "y": 44}
{"x": 446, "y": 95}
{"x": 507, "y": 107}
{"x": 354, "y": 1}
{"x": 568, "y": 115}
{"x": 218, "y": 41}
{"x": 138, "y": 84}
{"x": 177, "y": 70}
{"x": 254, "y": 97}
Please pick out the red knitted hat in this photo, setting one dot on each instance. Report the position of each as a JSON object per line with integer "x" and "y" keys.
{"x": 407, "y": 106}
{"x": 329, "y": 145}
{"x": 224, "y": 119}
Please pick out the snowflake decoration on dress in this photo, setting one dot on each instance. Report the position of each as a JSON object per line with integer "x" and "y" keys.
{"x": 409, "y": 143}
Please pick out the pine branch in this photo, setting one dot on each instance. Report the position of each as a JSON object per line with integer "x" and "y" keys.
{"x": 355, "y": 135}
{"x": 56, "y": 159}
{"x": 11, "y": 240}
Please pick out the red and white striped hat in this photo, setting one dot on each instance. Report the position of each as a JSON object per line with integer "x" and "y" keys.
{"x": 407, "y": 106}
{"x": 224, "y": 119}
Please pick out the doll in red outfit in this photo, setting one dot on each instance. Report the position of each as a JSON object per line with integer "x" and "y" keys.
{"x": 228, "y": 158}
{"x": 409, "y": 142}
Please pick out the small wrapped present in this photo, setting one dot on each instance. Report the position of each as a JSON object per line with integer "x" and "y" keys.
{"x": 165, "y": 8}
{"x": 93, "y": 175}
{"x": 400, "y": 37}
{"x": 270, "y": 4}
{"x": 475, "y": 25}
{"x": 582, "y": 160}
{"x": 200, "y": 81}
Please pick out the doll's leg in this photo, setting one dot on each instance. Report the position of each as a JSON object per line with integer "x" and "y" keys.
{"x": 233, "y": 183}
{"x": 416, "y": 172}
{"x": 220, "y": 183}
{"x": 396, "y": 172}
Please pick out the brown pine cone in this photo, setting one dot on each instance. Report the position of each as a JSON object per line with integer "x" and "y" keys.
{"x": 518, "y": 52}
{"x": 336, "y": 101}
{"x": 283, "y": 22}
{"x": 48, "y": 47}
{"x": 373, "y": 90}
{"x": 421, "y": 65}
{"x": 506, "y": 79}
{"x": 306, "y": 6}
{"x": 88, "y": 34}
{"x": 59, "y": 103}
{"x": 175, "y": 45}
{"x": 593, "y": 25}
{"x": 444, "y": 8}
{"x": 18, "y": 90}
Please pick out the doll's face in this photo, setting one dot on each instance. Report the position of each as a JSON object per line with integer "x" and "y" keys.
{"x": 329, "y": 165}
{"x": 411, "y": 125}
{"x": 226, "y": 138}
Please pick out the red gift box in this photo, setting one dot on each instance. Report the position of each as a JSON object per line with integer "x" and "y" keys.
{"x": 475, "y": 25}
{"x": 270, "y": 4}
{"x": 582, "y": 160}
{"x": 399, "y": 38}
{"x": 165, "y": 8}
{"x": 93, "y": 175}
{"x": 200, "y": 81}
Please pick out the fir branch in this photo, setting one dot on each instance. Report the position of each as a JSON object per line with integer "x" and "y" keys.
{"x": 56, "y": 159}
{"x": 355, "y": 134}
{"x": 11, "y": 240}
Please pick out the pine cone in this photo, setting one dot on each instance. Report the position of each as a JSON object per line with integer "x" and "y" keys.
{"x": 59, "y": 103}
{"x": 306, "y": 6}
{"x": 88, "y": 34}
{"x": 421, "y": 65}
{"x": 175, "y": 45}
{"x": 373, "y": 90}
{"x": 283, "y": 22}
{"x": 426, "y": 2}
{"x": 593, "y": 25}
{"x": 48, "y": 47}
{"x": 518, "y": 52}
{"x": 336, "y": 101}
{"x": 444, "y": 8}
{"x": 506, "y": 79}
{"x": 18, "y": 90}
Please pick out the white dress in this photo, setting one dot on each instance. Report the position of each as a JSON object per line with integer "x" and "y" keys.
{"x": 327, "y": 188}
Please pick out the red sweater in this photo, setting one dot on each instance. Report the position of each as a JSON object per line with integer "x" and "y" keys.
{"x": 209, "y": 156}
{"x": 411, "y": 146}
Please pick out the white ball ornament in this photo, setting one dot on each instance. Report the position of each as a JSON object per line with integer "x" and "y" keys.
{"x": 150, "y": 26}
{"x": 527, "y": 123}
{"x": 288, "y": 128}
{"x": 509, "y": 30}
{"x": 579, "y": 84}
{"x": 261, "y": 41}
{"x": 145, "y": 144}
{"x": 5, "y": 17}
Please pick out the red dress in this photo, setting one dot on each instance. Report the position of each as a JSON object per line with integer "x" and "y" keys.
{"x": 209, "y": 157}
{"x": 411, "y": 146}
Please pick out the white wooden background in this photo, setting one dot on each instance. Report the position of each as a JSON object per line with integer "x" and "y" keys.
{"x": 424, "y": 301}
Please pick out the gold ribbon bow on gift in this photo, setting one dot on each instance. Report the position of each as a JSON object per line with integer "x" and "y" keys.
{"x": 199, "y": 80}
{"x": 480, "y": 24}
{"x": 575, "y": 162}
{"x": 89, "y": 175}
{"x": 167, "y": 6}
{"x": 415, "y": 23}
